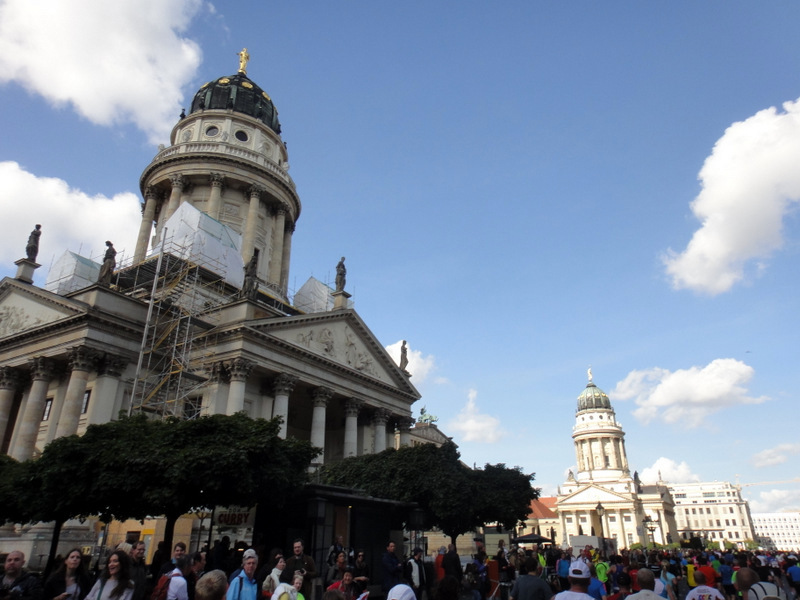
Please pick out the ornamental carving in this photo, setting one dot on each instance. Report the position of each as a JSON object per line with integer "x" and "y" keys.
{"x": 240, "y": 369}
{"x": 322, "y": 396}
{"x": 178, "y": 181}
{"x": 14, "y": 319}
{"x": 284, "y": 384}
{"x": 352, "y": 406}
{"x": 9, "y": 378}
{"x": 217, "y": 372}
{"x": 112, "y": 366}
{"x": 217, "y": 179}
{"x": 82, "y": 359}
{"x": 42, "y": 368}
{"x": 381, "y": 417}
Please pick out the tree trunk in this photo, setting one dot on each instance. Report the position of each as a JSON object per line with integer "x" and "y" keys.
{"x": 169, "y": 531}
{"x": 57, "y": 524}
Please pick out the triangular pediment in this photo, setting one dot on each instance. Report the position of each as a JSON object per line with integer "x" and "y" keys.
{"x": 592, "y": 494}
{"x": 23, "y": 307}
{"x": 341, "y": 337}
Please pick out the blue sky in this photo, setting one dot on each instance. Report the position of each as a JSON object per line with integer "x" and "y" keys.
{"x": 521, "y": 189}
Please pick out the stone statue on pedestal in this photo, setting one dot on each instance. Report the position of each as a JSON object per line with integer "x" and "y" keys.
{"x": 403, "y": 356}
{"x": 32, "y": 248}
{"x": 341, "y": 275}
{"x": 109, "y": 263}
{"x": 250, "y": 286}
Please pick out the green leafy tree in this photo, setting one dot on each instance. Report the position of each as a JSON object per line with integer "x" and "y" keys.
{"x": 456, "y": 498}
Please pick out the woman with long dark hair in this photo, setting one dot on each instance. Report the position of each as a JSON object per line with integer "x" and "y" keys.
{"x": 114, "y": 582}
{"x": 70, "y": 581}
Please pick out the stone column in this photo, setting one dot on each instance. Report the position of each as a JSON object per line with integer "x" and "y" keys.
{"x": 251, "y": 224}
{"x": 404, "y": 425}
{"x": 81, "y": 361}
{"x": 276, "y": 257}
{"x": 215, "y": 199}
{"x": 240, "y": 369}
{"x": 351, "y": 408}
{"x": 104, "y": 395}
{"x": 9, "y": 382}
{"x": 286, "y": 256}
{"x": 379, "y": 420}
{"x": 322, "y": 396}
{"x": 146, "y": 227}
{"x": 178, "y": 183}
{"x": 41, "y": 373}
{"x": 283, "y": 386}
{"x": 215, "y": 396}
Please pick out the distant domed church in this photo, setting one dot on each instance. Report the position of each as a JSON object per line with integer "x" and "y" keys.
{"x": 602, "y": 498}
{"x": 201, "y": 320}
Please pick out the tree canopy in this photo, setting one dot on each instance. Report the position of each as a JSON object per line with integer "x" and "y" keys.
{"x": 136, "y": 467}
{"x": 455, "y": 498}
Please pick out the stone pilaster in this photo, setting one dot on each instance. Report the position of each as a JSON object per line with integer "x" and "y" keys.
{"x": 283, "y": 386}
{"x": 9, "y": 384}
{"x": 215, "y": 199}
{"x": 82, "y": 360}
{"x": 146, "y": 226}
{"x": 240, "y": 369}
{"x": 215, "y": 395}
{"x": 276, "y": 257}
{"x": 351, "y": 408}
{"x": 104, "y": 395}
{"x": 42, "y": 370}
{"x": 178, "y": 183}
{"x": 379, "y": 420}
{"x": 322, "y": 396}
{"x": 251, "y": 224}
{"x": 404, "y": 425}
{"x": 286, "y": 256}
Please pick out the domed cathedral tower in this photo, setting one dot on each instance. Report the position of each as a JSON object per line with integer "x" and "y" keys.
{"x": 599, "y": 439}
{"x": 227, "y": 159}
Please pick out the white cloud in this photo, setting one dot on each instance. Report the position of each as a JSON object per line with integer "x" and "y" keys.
{"x": 114, "y": 62}
{"x": 418, "y": 365}
{"x": 670, "y": 471}
{"x": 474, "y": 425}
{"x": 775, "y": 456}
{"x": 749, "y": 183}
{"x": 687, "y": 396}
{"x": 776, "y": 501}
{"x": 70, "y": 218}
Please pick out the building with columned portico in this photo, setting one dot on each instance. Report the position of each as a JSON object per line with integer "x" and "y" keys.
{"x": 201, "y": 321}
{"x": 602, "y": 498}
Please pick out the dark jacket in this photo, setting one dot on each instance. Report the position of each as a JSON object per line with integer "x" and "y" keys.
{"x": 57, "y": 585}
{"x": 25, "y": 587}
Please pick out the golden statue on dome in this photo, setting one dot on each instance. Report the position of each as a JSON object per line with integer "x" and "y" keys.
{"x": 243, "y": 58}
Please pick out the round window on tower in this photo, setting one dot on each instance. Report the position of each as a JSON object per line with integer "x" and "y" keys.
{"x": 241, "y": 136}
{"x": 212, "y": 131}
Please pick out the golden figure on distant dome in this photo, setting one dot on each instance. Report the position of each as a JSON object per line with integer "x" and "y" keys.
{"x": 243, "y": 58}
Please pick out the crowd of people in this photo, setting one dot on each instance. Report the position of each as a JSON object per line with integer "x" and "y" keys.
{"x": 225, "y": 573}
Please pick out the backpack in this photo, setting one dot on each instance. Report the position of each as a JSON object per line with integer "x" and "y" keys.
{"x": 162, "y": 587}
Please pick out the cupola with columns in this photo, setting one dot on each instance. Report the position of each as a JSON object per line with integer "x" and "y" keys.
{"x": 227, "y": 159}
{"x": 598, "y": 437}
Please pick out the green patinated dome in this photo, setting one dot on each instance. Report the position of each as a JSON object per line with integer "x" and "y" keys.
{"x": 593, "y": 397}
{"x": 240, "y": 94}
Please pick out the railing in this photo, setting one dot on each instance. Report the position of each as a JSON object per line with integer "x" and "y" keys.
{"x": 229, "y": 150}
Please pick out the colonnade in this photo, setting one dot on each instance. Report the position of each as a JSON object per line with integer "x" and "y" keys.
{"x": 63, "y": 408}
{"x": 275, "y": 242}
{"x": 608, "y": 451}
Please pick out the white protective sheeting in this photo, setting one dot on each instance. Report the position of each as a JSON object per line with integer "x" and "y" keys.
{"x": 71, "y": 272}
{"x": 195, "y": 236}
{"x": 314, "y": 296}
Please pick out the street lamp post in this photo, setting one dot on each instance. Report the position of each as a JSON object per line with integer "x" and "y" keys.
{"x": 600, "y": 512}
{"x": 651, "y": 526}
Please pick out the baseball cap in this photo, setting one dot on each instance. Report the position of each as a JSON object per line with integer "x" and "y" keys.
{"x": 579, "y": 570}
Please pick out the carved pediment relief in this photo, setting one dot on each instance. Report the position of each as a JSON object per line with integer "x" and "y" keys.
{"x": 19, "y": 312}
{"x": 593, "y": 494}
{"x": 338, "y": 341}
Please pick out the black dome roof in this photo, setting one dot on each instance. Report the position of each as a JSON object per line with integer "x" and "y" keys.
{"x": 239, "y": 93}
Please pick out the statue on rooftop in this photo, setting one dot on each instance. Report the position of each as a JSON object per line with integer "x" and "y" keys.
{"x": 32, "y": 248}
{"x": 250, "y": 285}
{"x": 341, "y": 275}
{"x": 109, "y": 263}
{"x": 403, "y": 356}
{"x": 243, "y": 58}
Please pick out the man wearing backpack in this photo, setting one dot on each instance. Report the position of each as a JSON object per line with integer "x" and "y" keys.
{"x": 172, "y": 586}
{"x": 244, "y": 586}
